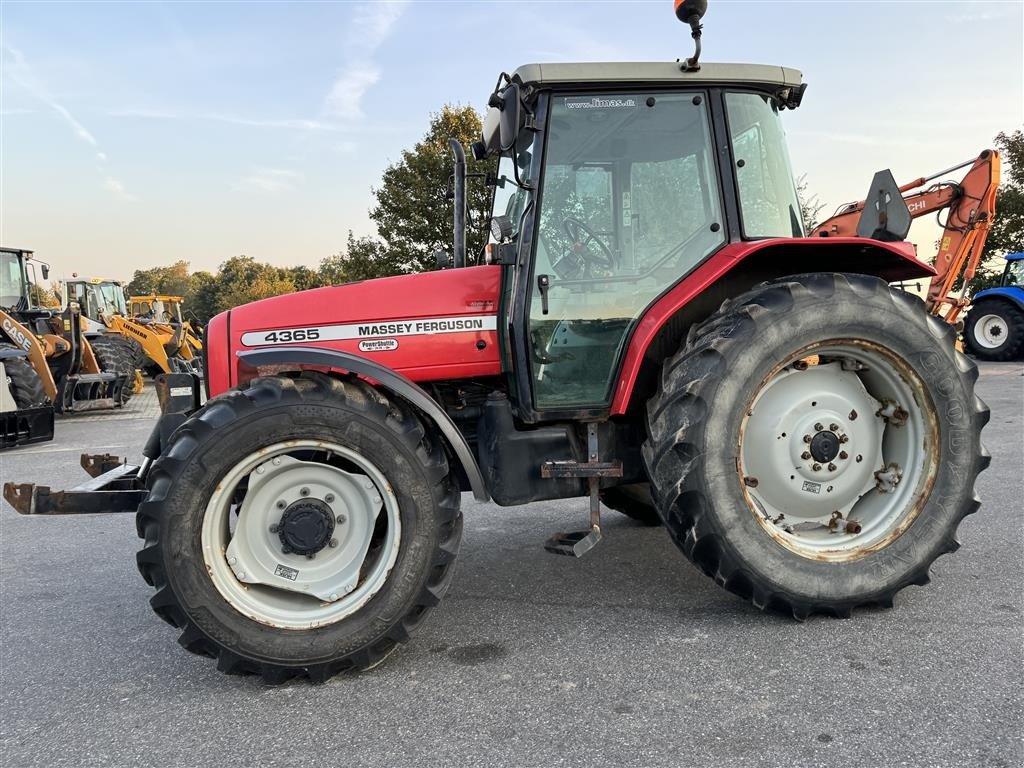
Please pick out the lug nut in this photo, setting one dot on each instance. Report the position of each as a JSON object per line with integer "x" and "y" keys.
{"x": 805, "y": 455}
{"x": 286, "y": 549}
{"x": 807, "y": 438}
{"x": 276, "y": 462}
{"x": 304, "y": 492}
{"x": 818, "y": 427}
{"x": 341, "y": 518}
{"x": 859, "y": 458}
{"x": 843, "y": 439}
{"x": 833, "y": 427}
{"x": 852, "y": 416}
{"x": 332, "y": 543}
{"x": 844, "y": 455}
{"x": 816, "y": 467}
{"x": 232, "y": 560}
{"x": 281, "y": 504}
{"x": 275, "y": 528}
{"x": 329, "y": 498}
{"x": 831, "y": 467}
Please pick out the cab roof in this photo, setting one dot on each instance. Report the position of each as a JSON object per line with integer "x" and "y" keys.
{"x": 662, "y": 73}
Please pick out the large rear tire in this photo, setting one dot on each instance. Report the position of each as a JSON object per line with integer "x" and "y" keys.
{"x": 116, "y": 354}
{"x": 852, "y": 371}
{"x": 299, "y": 527}
{"x": 995, "y": 331}
{"x": 25, "y": 384}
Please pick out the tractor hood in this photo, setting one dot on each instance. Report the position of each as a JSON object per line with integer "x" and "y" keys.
{"x": 428, "y": 327}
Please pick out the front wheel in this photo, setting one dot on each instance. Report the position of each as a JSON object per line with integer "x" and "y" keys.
{"x": 814, "y": 445}
{"x": 995, "y": 331}
{"x": 299, "y": 527}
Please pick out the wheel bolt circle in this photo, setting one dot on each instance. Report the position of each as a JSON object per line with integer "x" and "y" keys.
{"x": 843, "y": 439}
{"x": 833, "y": 427}
{"x": 807, "y": 438}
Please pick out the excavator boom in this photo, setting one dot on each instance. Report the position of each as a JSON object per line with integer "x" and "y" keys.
{"x": 971, "y": 205}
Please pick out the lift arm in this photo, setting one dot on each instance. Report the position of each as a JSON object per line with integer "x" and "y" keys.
{"x": 971, "y": 205}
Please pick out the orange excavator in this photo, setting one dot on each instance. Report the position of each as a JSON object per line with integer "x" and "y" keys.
{"x": 970, "y": 205}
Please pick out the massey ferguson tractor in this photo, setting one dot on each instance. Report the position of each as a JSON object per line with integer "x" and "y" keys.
{"x": 649, "y": 327}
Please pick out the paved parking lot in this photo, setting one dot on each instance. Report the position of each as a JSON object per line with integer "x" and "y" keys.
{"x": 628, "y": 657}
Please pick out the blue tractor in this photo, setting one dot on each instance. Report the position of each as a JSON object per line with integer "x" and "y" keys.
{"x": 995, "y": 323}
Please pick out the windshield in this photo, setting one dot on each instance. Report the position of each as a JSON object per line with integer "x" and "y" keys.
{"x": 12, "y": 280}
{"x": 110, "y": 298}
{"x": 768, "y": 203}
{"x": 1014, "y": 273}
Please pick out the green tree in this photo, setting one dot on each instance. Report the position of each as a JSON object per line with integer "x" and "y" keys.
{"x": 413, "y": 212}
{"x": 172, "y": 280}
{"x": 363, "y": 259}
{"x": 810, "y": 205}
{"x": 242, "y": 279}
{"x": 1007, "y": 232}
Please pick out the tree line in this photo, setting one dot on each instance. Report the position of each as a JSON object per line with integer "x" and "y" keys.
{"x": 412, "y": 212}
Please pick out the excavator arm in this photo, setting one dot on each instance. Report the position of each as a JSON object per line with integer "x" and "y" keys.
{"x": 971, "y": 205}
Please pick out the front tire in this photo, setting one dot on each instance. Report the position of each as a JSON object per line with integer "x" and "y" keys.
{"x": 995, "y": 331}
{"x": 299, "y": 527}
{"x": 116, "y": 354}
{"x": 25, "y": 385}
{"x": 856, "y": 372}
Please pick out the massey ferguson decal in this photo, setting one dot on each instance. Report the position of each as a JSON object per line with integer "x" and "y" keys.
{"x": 389, "y": 328}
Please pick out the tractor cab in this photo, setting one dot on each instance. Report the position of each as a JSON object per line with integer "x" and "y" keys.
{"x": 98, "y": 299}
{"x": 614, "y": 182}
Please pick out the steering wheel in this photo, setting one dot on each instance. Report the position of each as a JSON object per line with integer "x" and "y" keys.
{"x": 581, "y": 236}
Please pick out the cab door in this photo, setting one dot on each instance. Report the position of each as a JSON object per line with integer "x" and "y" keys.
{"x": 628, "y": 205}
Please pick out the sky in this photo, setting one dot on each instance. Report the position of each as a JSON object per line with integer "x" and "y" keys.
{"x": 138, "y": 134}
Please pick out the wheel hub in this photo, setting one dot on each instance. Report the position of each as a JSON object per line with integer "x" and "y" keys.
{"x": 824, "y": 446}
{"x": 306, "y": 527}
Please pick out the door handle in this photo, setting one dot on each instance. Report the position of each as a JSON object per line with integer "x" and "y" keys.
{"x": 543, "y": 283}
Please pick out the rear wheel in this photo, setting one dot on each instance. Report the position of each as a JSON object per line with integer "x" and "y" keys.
{"x": 829, "y": 464}
{"x": 299, "y": 527}
{"x": 25, "y": 385}
{"x": 116, "y": 354}
{"x": 995, "y": 331}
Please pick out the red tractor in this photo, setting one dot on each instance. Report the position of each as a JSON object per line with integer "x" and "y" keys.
{"x": 648, "y": 327}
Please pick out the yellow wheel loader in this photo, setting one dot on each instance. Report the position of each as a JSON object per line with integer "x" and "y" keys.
{"x": 158, "y": 347}
{"x": 73, "y": 374}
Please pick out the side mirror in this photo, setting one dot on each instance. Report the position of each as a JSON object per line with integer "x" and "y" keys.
{"x": 501, "y": 123}
{"x": 885, "y": 216}
{"x": 45, "y": 269}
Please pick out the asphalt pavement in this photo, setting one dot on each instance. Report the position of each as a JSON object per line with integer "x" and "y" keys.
{"x": 626, "y": 657}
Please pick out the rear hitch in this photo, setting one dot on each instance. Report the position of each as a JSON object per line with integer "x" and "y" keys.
{"x": 578, "y": 543}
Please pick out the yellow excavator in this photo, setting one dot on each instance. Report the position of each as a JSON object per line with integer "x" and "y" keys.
{"x": 162, "y": 344}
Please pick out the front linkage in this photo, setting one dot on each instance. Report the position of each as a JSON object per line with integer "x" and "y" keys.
{"x": 116, "y": 486}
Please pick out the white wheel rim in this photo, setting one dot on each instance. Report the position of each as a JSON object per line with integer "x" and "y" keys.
{"x": 249, "y": 562}
{"x": 836, "y": 453}
{"x": 991, "y": 331}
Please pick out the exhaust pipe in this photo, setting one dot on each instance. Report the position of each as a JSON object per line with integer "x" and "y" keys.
{"x": 459, "y": 204}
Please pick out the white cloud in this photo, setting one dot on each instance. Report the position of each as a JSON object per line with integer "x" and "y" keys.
{"x": 22, "y": 74}
{"x": 269, "y": 180}
{"x": 372, "y": 24}
{"x": 253, "y": 122}
{"x": 115, "y": 187}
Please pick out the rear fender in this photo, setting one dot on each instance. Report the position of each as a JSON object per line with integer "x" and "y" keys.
{"x": 281, "y": 359}
{"x": 735, "y": 269}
